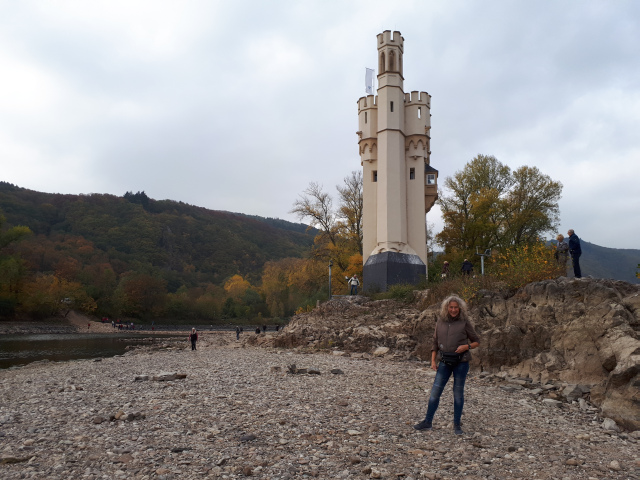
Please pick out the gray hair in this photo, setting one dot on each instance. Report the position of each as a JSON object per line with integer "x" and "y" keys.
{"x": 444, "y": 307}
{"x": 560, "y": 237}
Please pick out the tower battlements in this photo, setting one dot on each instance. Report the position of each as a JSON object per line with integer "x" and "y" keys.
{"x": 417, "y": 98}
{"x": 370, "y": 101}
{"x": 385, "y": 38}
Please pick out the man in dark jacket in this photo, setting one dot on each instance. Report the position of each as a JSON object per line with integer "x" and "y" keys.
{"x": 467, "y": 267}
{"x": 575, "y": 251}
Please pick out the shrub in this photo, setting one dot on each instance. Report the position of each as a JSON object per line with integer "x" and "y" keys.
{"x": 527, "y": 263}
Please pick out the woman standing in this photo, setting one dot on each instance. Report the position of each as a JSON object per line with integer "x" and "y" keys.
{"x": 452, "y": 340}
{"x": 562, "y": 252}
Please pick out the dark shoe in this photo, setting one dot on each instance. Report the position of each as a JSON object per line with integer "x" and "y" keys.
{"x": 423, "y": 425}
{"x": 457, "y": 429}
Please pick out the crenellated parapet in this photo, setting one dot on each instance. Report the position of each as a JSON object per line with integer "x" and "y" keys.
{"x": 417, "y": 98}
{"x": 388, "y": 38}
{"x": 367, "y": 117}
{"x": 417, "y": 113}
{"x": 370, "y": 101}
{"x": 390, "y": 51}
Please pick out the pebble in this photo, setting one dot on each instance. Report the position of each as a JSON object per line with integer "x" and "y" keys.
{"x": 231, "y": 417}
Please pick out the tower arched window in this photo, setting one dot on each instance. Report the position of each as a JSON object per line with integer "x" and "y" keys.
{"x": 392, "y": 61}
{"x": 381, "y": 66}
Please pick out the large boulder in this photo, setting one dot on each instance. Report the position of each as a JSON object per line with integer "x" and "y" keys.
{"x": 579, "y": 331}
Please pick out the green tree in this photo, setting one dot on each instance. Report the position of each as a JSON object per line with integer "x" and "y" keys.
{"x": 487, "y": 205}
{"x": 12, "y": 269}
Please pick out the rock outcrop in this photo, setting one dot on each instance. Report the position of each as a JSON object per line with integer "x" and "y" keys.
{"x": 584, "y": 332}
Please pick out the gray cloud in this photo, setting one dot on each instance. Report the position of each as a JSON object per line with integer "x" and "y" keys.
{"x": 239, "y": 105}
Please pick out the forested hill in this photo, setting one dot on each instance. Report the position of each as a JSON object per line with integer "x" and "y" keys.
{"x": 603, "y": 262}
{"x": 184, "y": 244}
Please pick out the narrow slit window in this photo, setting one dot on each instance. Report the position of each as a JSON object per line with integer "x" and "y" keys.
{"x": 391, "y": 106}
{"x": 365, "y": 117}
{"x": 419, "y": 112}
{"x": 412, "y": 174}
{"x": 374, "y": 176}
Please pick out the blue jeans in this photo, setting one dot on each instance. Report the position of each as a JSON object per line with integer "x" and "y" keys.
{"x": 442, "y": 377}
{"x": 354, "y": 289}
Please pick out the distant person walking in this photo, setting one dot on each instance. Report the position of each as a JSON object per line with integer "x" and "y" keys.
{"x": 575, "y": 251}
{"x": 354, "y": 283}
{"x": 237, "y": 333}
{"x": 193, "y": 338}
{"x": 445, "y": 269}
{"x": 562, "y": 253}
{"x": 453, "y": 338}
{"x": 467, "y": 267}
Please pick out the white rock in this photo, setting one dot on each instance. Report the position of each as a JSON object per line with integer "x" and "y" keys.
{"x": 380, "y": 351}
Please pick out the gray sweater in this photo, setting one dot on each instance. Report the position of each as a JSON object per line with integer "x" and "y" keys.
{"x": 451, "y": 333}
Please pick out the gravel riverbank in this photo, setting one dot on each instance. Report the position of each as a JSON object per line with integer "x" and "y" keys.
{"x": 239, "y": 412}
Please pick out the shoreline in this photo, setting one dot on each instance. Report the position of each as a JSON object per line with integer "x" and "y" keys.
{"x": 237, "y": 412}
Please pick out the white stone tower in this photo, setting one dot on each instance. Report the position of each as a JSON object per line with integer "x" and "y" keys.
{"x": 399, "y": 185}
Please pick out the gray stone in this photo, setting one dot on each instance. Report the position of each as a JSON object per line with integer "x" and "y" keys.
{"x": 610, "y": 424}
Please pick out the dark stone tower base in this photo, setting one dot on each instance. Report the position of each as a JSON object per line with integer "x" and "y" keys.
{"x": 389, "y": 268}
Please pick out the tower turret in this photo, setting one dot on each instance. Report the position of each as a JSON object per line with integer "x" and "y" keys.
{"x": 394, "y": 146}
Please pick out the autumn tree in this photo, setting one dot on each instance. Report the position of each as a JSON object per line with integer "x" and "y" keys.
{"x": 340, "y": 229}
{"x": 350, "y": 211}
{"x": 487, "y": 205}
{"x": 47, "y": 295}
{"x": 140, "y": 295}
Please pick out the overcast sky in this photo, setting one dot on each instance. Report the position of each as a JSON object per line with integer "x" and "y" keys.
{"x": 238, "y": 105}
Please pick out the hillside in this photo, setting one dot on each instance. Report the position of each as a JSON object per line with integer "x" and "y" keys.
{"x": 615, "y": 263}
{"x": 185, "y": 244}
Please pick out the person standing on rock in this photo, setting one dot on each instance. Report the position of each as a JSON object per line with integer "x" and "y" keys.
{"x": 237, "y": 333}
{"x": 562, "y": 253}
{"x": 575, "y": 251}
{"x": 193, "y": 338}
{"x": 467, "y": 267}
{"x": 354, "y": 283}
{"x": 453, "y": 339}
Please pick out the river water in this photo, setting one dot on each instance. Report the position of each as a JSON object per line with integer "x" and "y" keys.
{"x": 23, "y": 349}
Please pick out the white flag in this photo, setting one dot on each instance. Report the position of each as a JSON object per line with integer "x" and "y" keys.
{"x": 368, "y": 81}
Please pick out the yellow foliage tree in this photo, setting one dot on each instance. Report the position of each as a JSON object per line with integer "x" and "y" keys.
{"x": 236, "y": 287}
{"x": 527, "y": 263}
